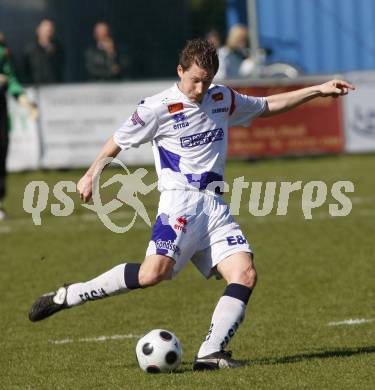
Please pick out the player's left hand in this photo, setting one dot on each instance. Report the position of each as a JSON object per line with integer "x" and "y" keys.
{"x": 335, "y": 88}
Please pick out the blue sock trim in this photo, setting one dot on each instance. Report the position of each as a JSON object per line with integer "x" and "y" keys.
{"x": 238, "y": 291}
{"x": 131, "y": 273}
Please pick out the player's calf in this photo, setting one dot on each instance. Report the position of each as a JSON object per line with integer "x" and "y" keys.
{"x": 239, "y": 272}
{"x": 155, "y": 269}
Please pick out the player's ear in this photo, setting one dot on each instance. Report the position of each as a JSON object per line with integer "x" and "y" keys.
{"x": 180, "y": 70}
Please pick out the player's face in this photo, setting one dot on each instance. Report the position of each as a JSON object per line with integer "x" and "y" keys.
{"x": 195, "y": 82}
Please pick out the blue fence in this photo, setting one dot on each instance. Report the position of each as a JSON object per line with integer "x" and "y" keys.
{"x": 319, "y": 36}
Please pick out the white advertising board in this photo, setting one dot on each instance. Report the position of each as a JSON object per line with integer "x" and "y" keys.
{"x": 359, "y": 113}
{"x": 24, "y": 142}
{"x": 77, "y": 119}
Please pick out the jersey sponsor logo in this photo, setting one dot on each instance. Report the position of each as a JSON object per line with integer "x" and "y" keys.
{"x": 172, "y": 108}
{"x": 169, "y": 245}
{"x": 202, "y": 138}
{"x": 179, "y": 119}
{"x": 136, "y": 119}
{"x": 182, "y": 220}
{"x": 235, "y": 240}
{"x": 218, "y": 96}
{"x": 219, "y": 110}
{"x": 180, "y": 225}
{"x": 180, "y": 125}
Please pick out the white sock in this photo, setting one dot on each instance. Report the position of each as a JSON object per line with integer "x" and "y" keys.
{"x": 110, "y": 283}
{"x": 228, "y": 314}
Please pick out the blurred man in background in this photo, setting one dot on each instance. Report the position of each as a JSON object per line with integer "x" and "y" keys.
{"x": 234, "y": 57}
{"x": 2, "y": 39}
{"x": 10, "y": 84}
{"x": 102, "y": 60}
{"x": 213, "y": 37}
{"x": 44, "y": 57}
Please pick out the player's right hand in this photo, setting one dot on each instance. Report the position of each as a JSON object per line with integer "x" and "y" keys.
{"x": 84, "y": 188}
{"x": 335, "y": 88}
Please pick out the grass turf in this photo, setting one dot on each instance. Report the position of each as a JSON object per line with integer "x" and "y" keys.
{"x": 311, "y": 272}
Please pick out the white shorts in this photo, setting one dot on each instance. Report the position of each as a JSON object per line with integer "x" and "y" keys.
{"x": 195, "y": 225}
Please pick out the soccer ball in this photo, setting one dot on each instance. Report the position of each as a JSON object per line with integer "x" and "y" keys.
{"x": 158, "y": 351}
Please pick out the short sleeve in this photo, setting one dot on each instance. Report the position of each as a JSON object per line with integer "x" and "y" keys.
{"x": 140, "y": 128}
{"x": 245, "y": 108}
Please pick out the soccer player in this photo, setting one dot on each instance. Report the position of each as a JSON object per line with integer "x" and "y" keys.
{"x": 188, "y": 127}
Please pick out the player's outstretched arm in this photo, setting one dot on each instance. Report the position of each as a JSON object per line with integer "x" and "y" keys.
{"x": 282, "y": 102}
{"x": 84, "y": 186}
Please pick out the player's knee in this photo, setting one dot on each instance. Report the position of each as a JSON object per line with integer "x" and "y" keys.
{"x": 252, "y": 278}
{"x": 239, "y": 269}
{"x": 247, "y": 277}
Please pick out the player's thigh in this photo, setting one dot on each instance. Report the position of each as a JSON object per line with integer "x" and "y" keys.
{"x": 223, "y": 242}
{"x": 154, "y": 269}
{"x": 177, "y": 228}
{"x": 238, "y": 268}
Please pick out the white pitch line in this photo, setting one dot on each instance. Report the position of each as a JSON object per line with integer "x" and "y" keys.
{"x": 95, "y": 339}
{"x": 351, "y": 322}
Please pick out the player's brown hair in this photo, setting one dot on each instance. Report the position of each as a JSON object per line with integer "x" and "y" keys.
{"x": 201, "y": 52}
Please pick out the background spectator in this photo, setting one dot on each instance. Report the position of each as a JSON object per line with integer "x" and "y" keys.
{"x": 234, "y": 56}
{"x": 2, "y": 39}
{"x": 213, "y": 37}
{"x": 102, "y": 60}
{"x": 44, "y": 57}
{"x": 8, "y": 82}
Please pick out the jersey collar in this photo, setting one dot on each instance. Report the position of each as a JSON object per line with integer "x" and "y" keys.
{"x": 181, "y": 95}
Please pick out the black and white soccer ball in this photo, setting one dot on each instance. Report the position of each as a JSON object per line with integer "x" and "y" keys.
{"x": 159, "y": 351}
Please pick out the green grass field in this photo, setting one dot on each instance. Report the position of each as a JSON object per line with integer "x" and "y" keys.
{"x": 311, "y": 273}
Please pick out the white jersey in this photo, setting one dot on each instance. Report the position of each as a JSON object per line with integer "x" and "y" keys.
{"x": 189, "y": 140}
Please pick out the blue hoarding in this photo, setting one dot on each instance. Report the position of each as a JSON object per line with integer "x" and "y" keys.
{"x": 319, "y": 36}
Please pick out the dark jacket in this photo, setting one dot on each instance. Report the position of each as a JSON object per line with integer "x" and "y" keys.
{"x": 42, "y": 66}
{"x": 12, "y": 86}
{"x": 99, "y": 65}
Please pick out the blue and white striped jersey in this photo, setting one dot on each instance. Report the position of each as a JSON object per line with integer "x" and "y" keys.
{"x": 189, "y": 140}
